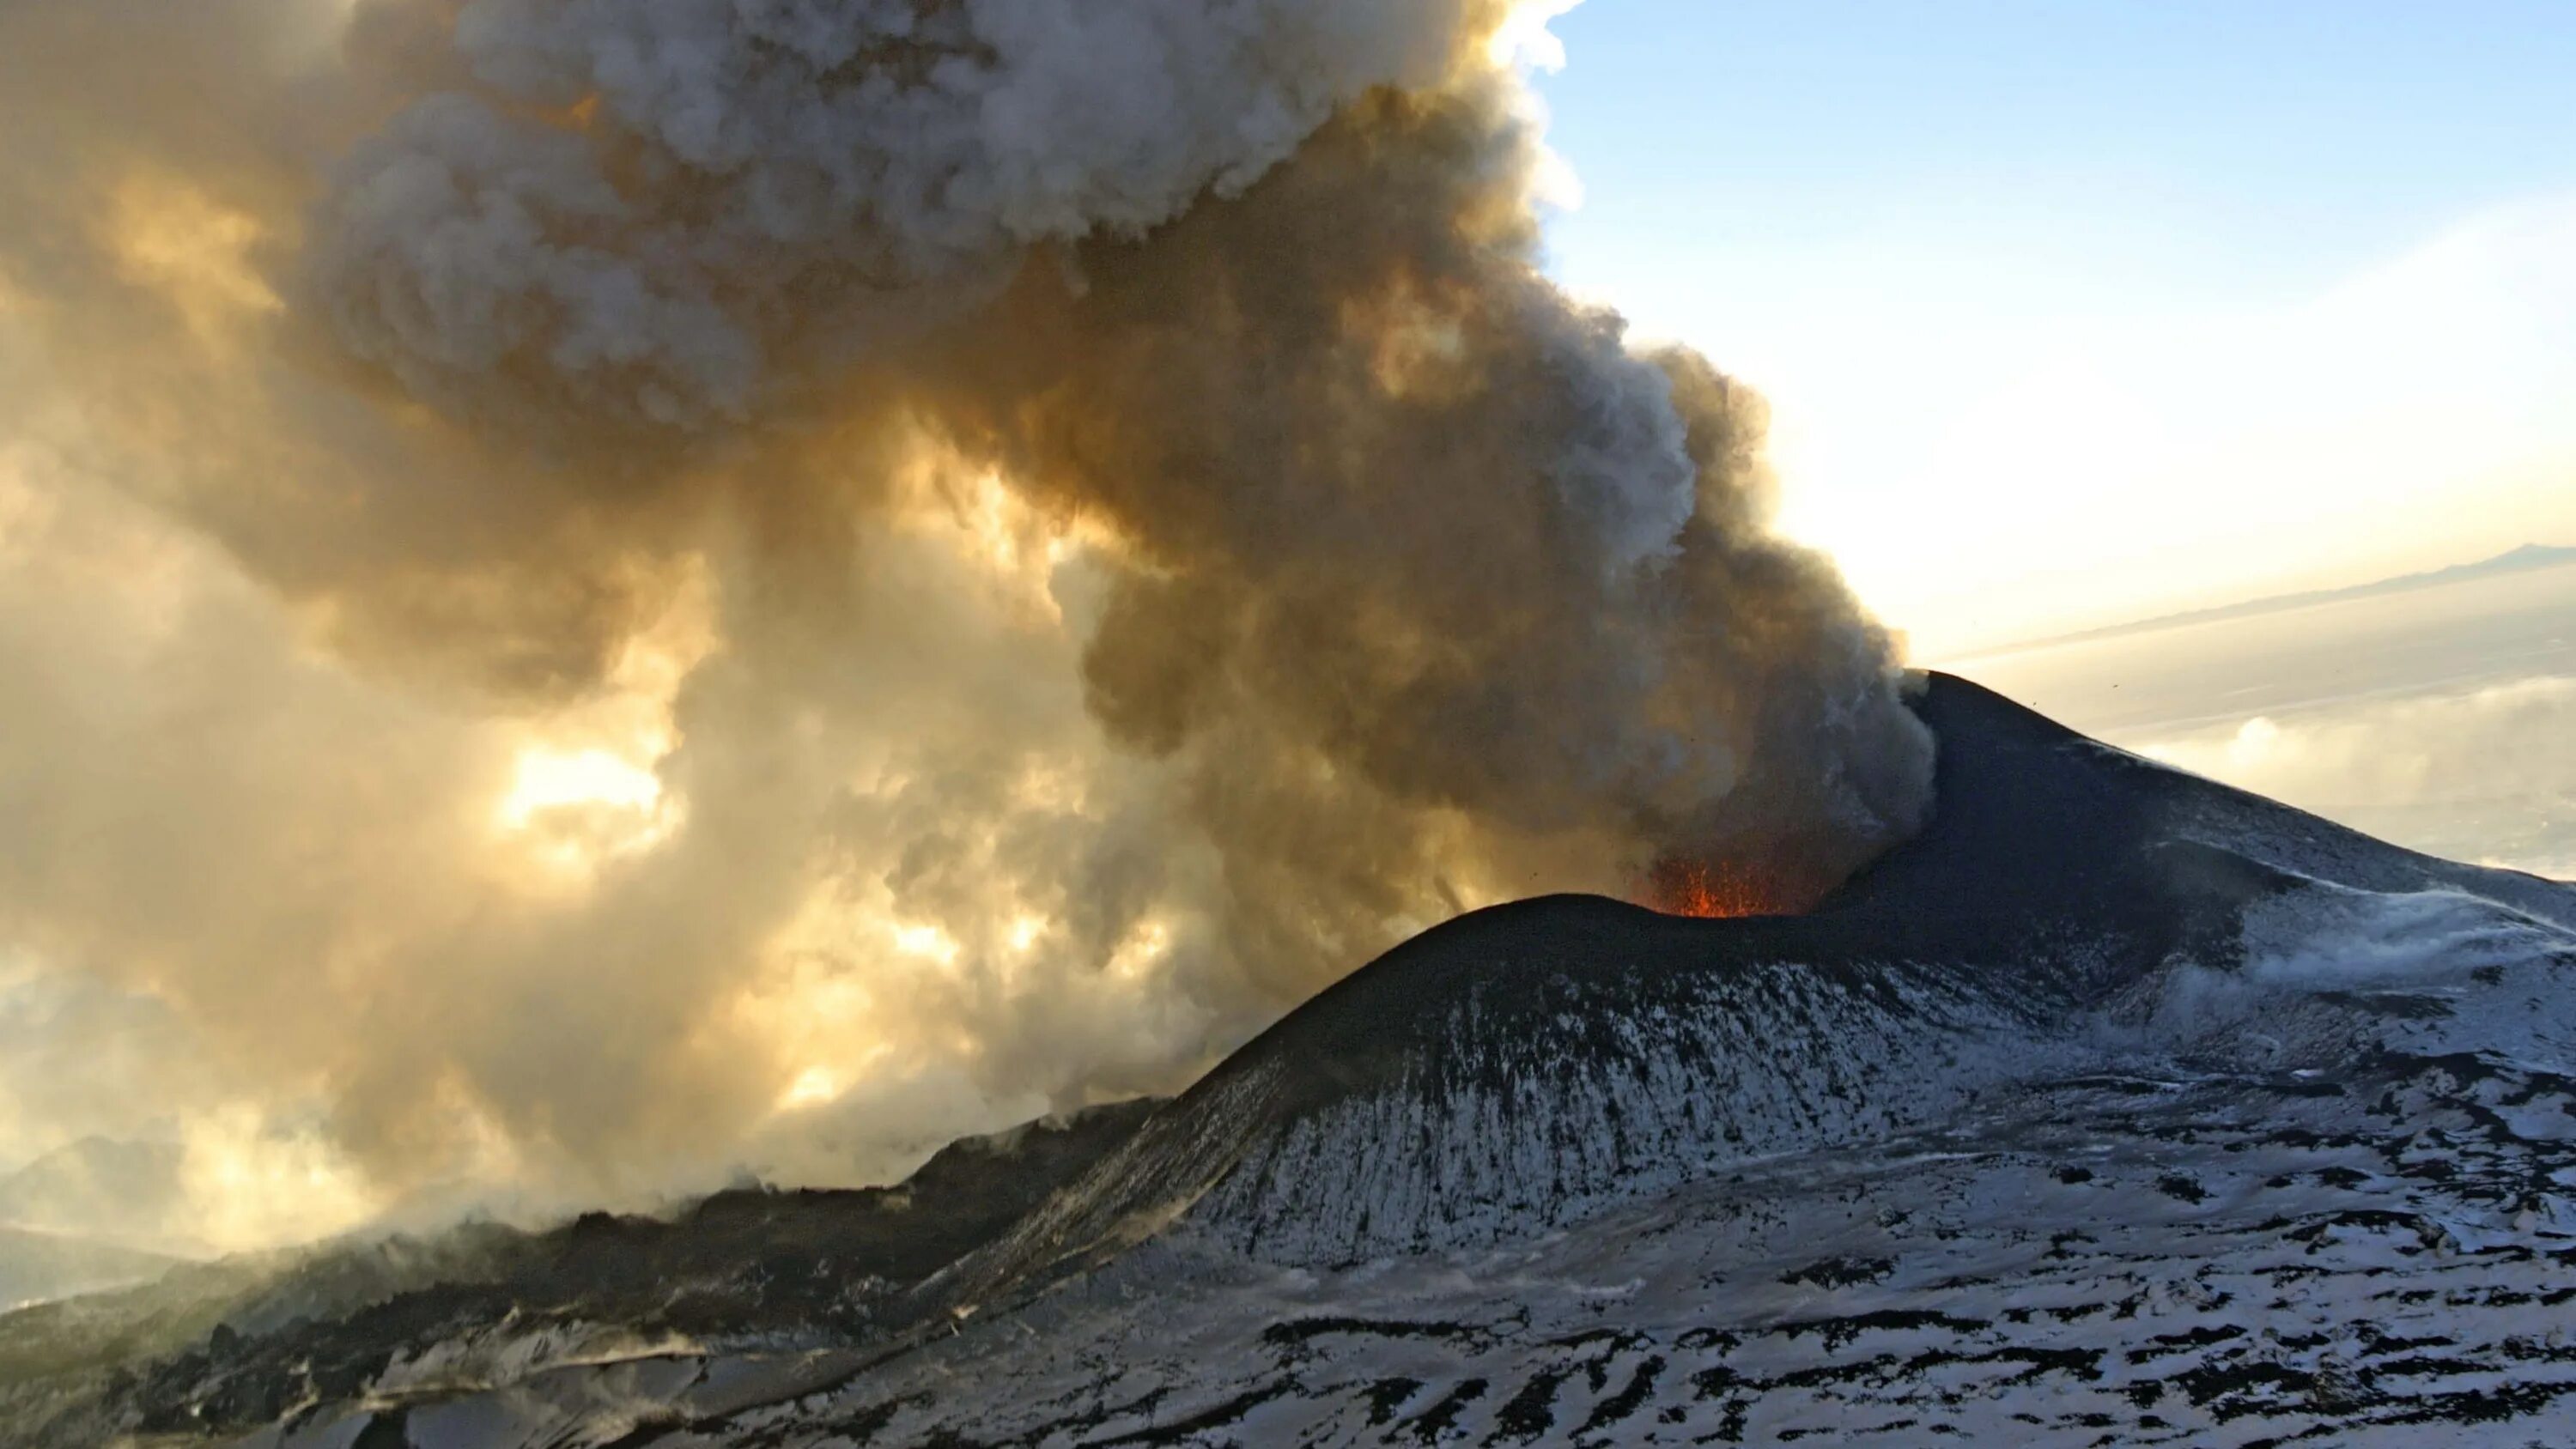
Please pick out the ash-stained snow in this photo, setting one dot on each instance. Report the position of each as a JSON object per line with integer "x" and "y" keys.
{"x": 2146, "y": 1255}
{"x": 2118, "y": 1108}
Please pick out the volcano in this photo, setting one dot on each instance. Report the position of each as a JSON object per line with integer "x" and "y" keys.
{"x": 2116, "y": 1106}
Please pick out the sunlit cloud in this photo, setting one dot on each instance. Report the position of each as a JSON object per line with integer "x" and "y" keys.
{"x": 928, "y": 942}
{"x": 812, "y": 1086}
{"x": 2488, "y": 774}
{"x": 193, "y": 249}
{"x": 250, "y": 1183}
{"x": 549, "y": 780}
{"x": 1524, "y": 38}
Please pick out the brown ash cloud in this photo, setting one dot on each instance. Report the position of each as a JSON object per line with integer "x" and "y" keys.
{"x": 1092, "y": 517}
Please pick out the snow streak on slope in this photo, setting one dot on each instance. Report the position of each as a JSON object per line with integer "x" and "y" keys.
{"x": 1493, "y": 1138}
{"x": 1531, "y": 1097}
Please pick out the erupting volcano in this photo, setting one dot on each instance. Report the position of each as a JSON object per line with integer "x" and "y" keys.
{"x": 754, "y": 574}
{"x": 1040, "y": 533}
{"x": 2001, "y": 1138}
{"x": 1719, "y": 891}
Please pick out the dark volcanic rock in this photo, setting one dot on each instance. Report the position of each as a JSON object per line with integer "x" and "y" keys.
{"x": 752, "y": 1264}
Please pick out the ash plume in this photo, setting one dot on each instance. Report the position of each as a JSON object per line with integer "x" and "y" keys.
{"x": 1070, "y": 525}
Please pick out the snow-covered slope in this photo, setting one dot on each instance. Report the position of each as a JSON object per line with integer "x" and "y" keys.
{"x": 230, "y": 1344}
{"x": 1519, "y": 1067}
{"x": 2117, "y": 1107}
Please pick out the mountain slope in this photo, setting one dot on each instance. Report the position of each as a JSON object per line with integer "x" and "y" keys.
{"x": 36, "y": 1266}
{"x": 235, "y": 1343}
{"x": 1540, "y": 1056}
{"x": 98, "y": 1187}
{"x": 2118, "y": 1106}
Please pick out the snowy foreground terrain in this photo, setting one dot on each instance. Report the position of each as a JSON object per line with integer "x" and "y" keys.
{"x": 2117, "y": 1108}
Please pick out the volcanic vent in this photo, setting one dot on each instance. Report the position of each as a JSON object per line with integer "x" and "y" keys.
{"x": 1528, "y": 1064}
{"x": 1718, "y": 891}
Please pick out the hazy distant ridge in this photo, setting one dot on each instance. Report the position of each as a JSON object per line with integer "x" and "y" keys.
{"x": 2528, "y": 557}
{"x": 36, "y": 1266}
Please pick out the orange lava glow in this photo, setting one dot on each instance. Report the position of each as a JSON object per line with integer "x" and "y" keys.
{"x": 1710, "y": 892}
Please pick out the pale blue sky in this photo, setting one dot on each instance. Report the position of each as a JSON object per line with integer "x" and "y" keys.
{"x": 2113, "y": 306}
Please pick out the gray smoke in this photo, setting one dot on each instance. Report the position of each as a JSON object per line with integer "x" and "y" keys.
{"x": 673, "y": 214}
{"x": 1090, "y": 514}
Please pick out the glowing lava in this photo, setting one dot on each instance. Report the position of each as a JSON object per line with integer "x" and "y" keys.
{"x": 1711, "y": 892}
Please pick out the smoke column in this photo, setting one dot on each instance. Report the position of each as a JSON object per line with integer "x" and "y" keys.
{"x": 802, "y": 575}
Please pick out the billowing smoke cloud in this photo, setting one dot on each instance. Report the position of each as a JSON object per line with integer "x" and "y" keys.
{"x": 591, "y": 583}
